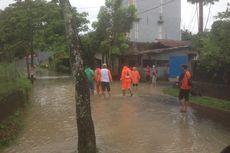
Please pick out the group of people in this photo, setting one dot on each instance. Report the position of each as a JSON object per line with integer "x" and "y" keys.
{"x": 102, "y": 78}
{"x": 129, "y": 76}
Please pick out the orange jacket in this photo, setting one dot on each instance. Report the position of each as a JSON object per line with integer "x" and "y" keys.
{"x": 184, "y": 82}
{"x": 97, "y": 74}
{"x": 125, "y": 78}
{"x": 135, "y": 76}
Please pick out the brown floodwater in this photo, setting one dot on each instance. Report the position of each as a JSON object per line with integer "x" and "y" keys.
{"x": 148, "y": 122}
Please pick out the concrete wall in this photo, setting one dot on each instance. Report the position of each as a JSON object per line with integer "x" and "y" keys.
{"x": 148, "y": 29}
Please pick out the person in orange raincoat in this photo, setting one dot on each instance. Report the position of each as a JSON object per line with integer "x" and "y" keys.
{"x": 97, "y": 77}
{"x": 126, "y": 80}
{"x": 135, "y": 76}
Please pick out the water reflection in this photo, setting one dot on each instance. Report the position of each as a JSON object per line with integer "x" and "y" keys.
{"x": 145, "y": 123}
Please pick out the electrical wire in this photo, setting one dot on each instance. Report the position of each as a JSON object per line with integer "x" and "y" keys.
{"x": 153, "y": 8}
{"x": 209, "y": 10}
{"x": 196, "y": 17}
{"x": 193, "y": 18}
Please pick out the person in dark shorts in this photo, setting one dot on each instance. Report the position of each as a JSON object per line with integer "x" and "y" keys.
{"x": 106, "y": 78}
{"x": 135, "y": 76}
{"x": 184, "y": 88}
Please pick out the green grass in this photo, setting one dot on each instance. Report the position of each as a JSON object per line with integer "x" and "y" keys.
{"x": 10, "y": 128}
{"x": 11, "y": 80}
{"x": 205, "y": 101}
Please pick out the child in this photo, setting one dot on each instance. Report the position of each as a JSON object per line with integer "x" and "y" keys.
{"x": 135, "y": 76}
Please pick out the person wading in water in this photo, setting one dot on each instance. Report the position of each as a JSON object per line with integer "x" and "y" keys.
{"x": 185, "y": 87}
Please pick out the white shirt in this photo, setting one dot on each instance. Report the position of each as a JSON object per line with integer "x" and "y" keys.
{"x": 105, "y": 75}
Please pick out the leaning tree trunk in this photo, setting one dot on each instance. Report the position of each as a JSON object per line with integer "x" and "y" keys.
{"x": 86, "y": 134}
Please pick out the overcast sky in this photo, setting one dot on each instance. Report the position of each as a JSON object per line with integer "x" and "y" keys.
{"x": 188, "y": 19}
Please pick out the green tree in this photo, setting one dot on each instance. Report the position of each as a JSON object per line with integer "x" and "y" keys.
{"x": 215, "y": 53}
{"x": 114, "y": 22}
{"x": 186, "y": 35}
{"x": 30, "y": 25}
{"x": 86, "y": 133}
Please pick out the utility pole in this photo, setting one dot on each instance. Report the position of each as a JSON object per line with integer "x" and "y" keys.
{"x": 200, "y": 23}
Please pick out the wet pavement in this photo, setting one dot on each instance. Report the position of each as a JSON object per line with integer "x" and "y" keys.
{"x": 148, "y": 122}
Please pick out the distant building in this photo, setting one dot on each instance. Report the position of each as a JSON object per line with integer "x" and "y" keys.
{"x": 167, "y": 55}
{"x": 159, "y": 19}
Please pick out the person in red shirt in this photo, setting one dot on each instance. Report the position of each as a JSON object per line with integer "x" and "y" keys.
{"x": 147, "y": 73}
{"x": 126, "y": 80}
{"x": 184, "y": 88}
{"x": 135, "y": 76}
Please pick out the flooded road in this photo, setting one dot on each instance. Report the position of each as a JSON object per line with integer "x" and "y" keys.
{"x": 148, "y": 122}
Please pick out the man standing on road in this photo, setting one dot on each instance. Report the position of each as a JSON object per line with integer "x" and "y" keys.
{"x": 106, "y": 78}
{"x": 90, "y": 76}
{"x": 185, "y": 87}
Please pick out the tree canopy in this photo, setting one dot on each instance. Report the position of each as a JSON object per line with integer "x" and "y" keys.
{"x": 215, "y": 53}
{"x": 30, "y": 25}
{"x": 114, "y": 22}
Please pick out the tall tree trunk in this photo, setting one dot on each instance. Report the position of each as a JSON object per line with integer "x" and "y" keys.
{"x": 27, "y": 65}
{"x": 86, "y": 133}
{"x": 200, "y": 26}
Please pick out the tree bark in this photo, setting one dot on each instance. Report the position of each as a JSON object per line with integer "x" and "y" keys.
{"x": 86, "y": 133}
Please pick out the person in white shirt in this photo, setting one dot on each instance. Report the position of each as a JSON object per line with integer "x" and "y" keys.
{"x": 106, "y": 78}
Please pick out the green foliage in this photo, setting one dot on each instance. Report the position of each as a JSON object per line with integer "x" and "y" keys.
{"x": 31, "y": 25}
{"x": 215, "y": 51}
{"x": 10, "y": 128}
{"x": 186, "y": 35}
{"x": 59, "y": 63}
{"x": 114, "y": 21}
{"x": 11, "y": 79}
{"x": 205, "y": 101}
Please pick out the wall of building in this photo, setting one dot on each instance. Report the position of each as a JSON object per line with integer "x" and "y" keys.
{"x": 148, "y": 29}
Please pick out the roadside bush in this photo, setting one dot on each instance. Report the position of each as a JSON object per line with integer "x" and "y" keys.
{"x": 12, "y": 79}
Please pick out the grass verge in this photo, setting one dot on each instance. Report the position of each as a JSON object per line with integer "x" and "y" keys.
{"x": 10, "y": 129}
{"x": 11, "y": 81}
{"x": 205, "y": 101}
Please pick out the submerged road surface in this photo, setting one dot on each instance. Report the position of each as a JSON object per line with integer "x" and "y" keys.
{"x": 148, "y": 122}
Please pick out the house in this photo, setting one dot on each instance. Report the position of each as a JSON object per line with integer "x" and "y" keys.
{"x": 167, "y": 55}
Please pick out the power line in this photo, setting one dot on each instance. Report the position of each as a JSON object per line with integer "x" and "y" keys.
{"x": 193, "y": 18}
{"x": 196, "y": 17}
{"x": 153, "y": 8}
{"x": 209, "y": 10}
